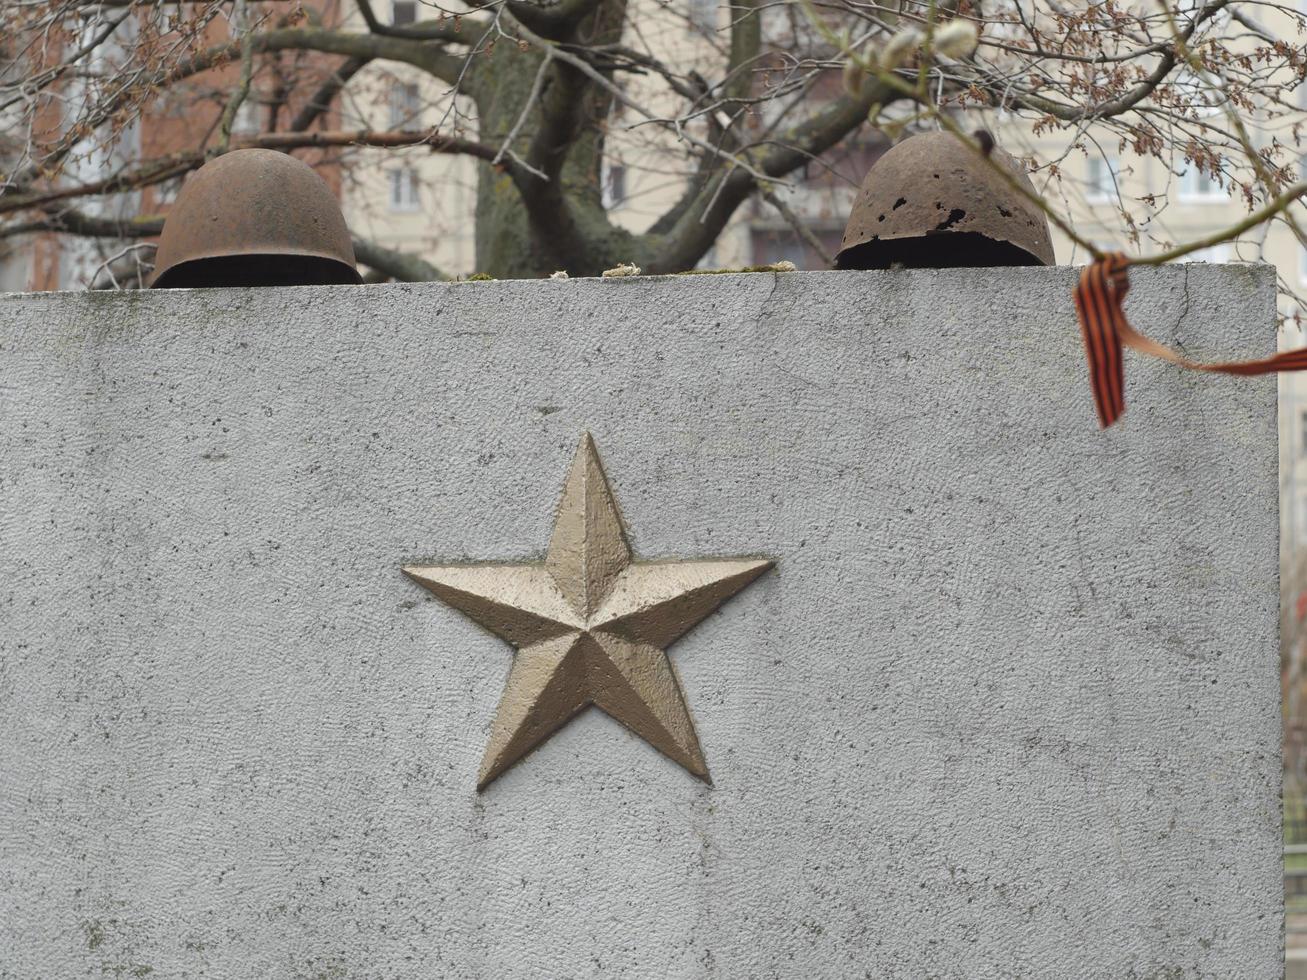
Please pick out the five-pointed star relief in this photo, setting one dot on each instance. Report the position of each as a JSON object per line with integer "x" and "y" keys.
{"x": 591, "y": 626}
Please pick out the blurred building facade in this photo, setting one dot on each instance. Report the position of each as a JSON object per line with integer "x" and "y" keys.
{"x": 185, "y": 118}
{"x": 423, "y": 202}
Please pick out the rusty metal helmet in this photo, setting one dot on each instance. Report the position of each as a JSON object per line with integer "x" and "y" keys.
{"x": 254, "y": 218}
{"x": 932, "y": 202}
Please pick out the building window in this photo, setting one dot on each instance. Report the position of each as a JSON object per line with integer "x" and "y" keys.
{"x": 403, "y": 190}
{"x": 1103, "y": 173}
{"x": 405, "y": 106}
{"x": 614, "y": 185}
{"x": 246, "y": 120}
{"x": 703, "y": 14}
{"x": 403, "y": 12}
{"x": 1198, "y": 185}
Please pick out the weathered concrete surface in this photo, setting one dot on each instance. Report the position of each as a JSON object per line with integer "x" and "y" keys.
{"x": 1008, "y": 707}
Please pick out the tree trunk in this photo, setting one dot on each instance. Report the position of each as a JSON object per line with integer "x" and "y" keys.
{"x": 566, "y": 226}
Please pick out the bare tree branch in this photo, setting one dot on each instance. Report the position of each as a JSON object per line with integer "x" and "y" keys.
{"x": 446, "y": 29}
{"x": 798, "y": 227}
{"x": 158, "y": 171}
{"x": 551, "y": 94}
{"x": 321, "y": 100}
{"x": 396, "y": 265}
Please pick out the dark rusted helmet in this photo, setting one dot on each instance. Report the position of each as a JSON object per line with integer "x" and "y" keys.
{"x": 254, "y": 218}
{"x": 932, "y": 202}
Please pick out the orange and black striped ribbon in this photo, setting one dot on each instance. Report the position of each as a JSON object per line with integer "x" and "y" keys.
{"x": 1099, "y": 305}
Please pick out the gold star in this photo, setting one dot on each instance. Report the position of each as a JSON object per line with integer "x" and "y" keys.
{"x": 591, "y": 626}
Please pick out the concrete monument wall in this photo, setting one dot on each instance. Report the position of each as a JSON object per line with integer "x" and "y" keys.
{"x": 1007, "y": 705}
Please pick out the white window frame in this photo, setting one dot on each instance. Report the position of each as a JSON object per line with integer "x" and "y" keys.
{"x": 1095, "y": 193}
{"x": 405, "y": 111}
{"x": 614, "y": 173}
{"x": 247, "y": 122}
{"x": 403, "y": 190}
{"x": 1200, "y": 187}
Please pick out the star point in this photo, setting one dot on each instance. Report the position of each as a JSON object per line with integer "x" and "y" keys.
{"x": 590, "y": 626}
{"x": 588, "y": 549}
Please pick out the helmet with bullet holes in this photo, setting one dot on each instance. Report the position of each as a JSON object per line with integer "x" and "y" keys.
{"x": 932, "y": 202}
